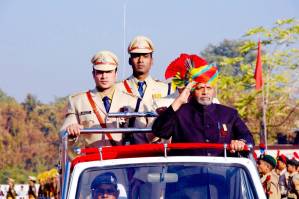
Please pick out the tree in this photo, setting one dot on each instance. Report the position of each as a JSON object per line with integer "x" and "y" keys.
{"x": 4, "y": 97}
{"x": 280, "y": 63}
{"x": 227, "y": 51}
{"x": 29, "y": 136}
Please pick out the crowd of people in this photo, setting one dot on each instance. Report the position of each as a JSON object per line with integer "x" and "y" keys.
{"x": 44, "y": 186}
{"x": 279, "y": 176}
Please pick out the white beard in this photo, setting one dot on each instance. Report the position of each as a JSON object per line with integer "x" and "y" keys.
{"x": 204, "y": 102}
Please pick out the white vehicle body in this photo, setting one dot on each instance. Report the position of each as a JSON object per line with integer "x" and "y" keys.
{"x": 78, "y": 180}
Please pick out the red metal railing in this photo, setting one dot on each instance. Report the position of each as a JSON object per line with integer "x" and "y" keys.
{"x": 142, "y": 150}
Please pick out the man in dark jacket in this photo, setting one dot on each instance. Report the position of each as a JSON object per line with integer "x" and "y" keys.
{"x": 192, "y": 117}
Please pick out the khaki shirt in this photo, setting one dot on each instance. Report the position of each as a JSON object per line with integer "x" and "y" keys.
{"x": 270, "y": 184}
{"x": 153, "y": 89}
{"x": 166, "y": 101}
{"x": 80, "y": 112}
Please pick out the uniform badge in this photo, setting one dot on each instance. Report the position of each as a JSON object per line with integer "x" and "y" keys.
{"x": 85, "y": 112}
{"x": 223, "y": 130}
{"x": 157, "y": 95}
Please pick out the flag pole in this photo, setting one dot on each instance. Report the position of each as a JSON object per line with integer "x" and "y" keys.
{"x": 124, "y": 42}
{"x": 264, "y": 119}
{"x": 259, "y": 85}
{"x": 265, "y": 102}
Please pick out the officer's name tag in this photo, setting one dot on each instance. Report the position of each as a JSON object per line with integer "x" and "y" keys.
{"x": 157, "y": 95}
{"x": 85, "y": 112}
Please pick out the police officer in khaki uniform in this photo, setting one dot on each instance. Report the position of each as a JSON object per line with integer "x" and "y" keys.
{"x": 140, "y": 83}
{"x": 89, "y": 109}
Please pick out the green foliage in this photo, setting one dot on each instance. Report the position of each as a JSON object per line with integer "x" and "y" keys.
{"x": 256, "y": 30}
{"x": 227, "y": 56}
{"x": 4, "y": 97}
{"x": 285, "y": 21}
{"x": 19, "y": 174}
{"x": 247, "y": 46}
{"x": 280, "y": 62}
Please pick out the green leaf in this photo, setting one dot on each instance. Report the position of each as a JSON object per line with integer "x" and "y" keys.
{"x": 256, "y": 30}
{"x": 285, "y": 21}
{"x": 248, "y": 46}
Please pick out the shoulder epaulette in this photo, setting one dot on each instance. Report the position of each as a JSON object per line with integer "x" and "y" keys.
{"x": 130, "y": 94}
{"x": 159, "y": 81}
{"x": 77, "y": 94}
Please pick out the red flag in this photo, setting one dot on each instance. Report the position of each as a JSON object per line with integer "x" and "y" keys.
{"x": 258, "y": 75}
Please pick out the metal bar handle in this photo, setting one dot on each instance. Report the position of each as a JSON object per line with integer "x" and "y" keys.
{"x": 115, "y": 130}
{"x": 132, "y": 114}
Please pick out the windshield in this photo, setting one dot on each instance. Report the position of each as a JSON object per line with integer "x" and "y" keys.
{"x": 167, "y": 180}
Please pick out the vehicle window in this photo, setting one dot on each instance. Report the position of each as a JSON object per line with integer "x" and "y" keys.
{"x": 179, "y": 180}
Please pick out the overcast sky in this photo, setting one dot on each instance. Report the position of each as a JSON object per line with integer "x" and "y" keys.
{"x": 46, "y": 45}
